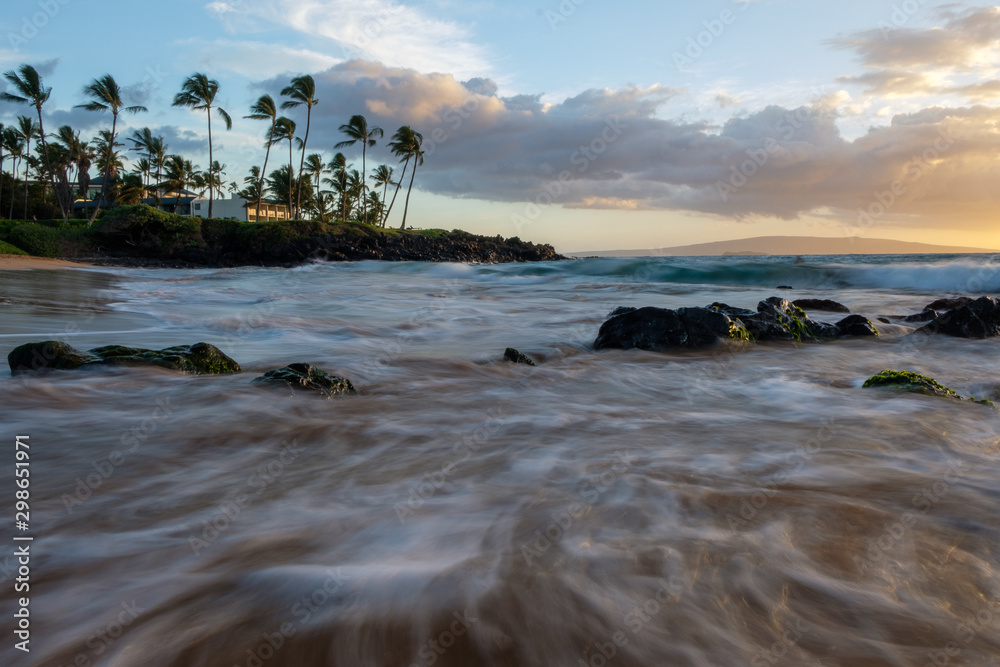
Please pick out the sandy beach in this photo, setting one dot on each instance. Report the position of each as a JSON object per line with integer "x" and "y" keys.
{"x": 23, "y": 263}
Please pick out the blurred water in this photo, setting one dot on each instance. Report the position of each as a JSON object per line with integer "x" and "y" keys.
{"x": 730, "y": 506}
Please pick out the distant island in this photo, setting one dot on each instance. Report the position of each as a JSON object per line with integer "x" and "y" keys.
{"x": 790, "y": 245}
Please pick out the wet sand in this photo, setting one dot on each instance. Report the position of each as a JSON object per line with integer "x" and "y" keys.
{"x": 24, "y": 262}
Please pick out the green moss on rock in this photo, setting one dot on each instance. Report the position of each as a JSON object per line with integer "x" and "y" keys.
{"x": 305, "y": 377}
{"x": 199, "y": 359}
{"x": 47, "y": 355}
{"x": 919, "y": 384}
{"x": 912, "y": 382}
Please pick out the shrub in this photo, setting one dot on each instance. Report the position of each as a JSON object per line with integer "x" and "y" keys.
{"x": 146, "y": 229}
{"x": 8, "y": 249}
{"x": 36, "y": 239}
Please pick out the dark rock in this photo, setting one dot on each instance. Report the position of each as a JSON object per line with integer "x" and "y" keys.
{"x": 948, "y": 304}
{"x": 926, "y": 316}
{"x": 785, "y": 287}
{"x": 621, "y": 310}
{"x": 884, "y": 320}
{"x": 974, "y": 319}
{"x": 661, "y": 329}
{"x": 821, "y": 304}
{"x": 732, "y": 311}
{"x": 777, "y": 312}
{"x": 856, "y": 325}
{"x": 47, "y": 355}
{"x": 305, "y": 377}
{"x": 911, "y": 382}
{"x": 512, "y": 355}
{"x": 919, "y": 384}
{"x": 200, "y": 358}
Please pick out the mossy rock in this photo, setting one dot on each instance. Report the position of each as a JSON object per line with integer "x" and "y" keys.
{"x": 918, "y": 384}
{"x": 198, "y": 359}
{"x": 515, "y": 356}
{"x": 47, "y": 355}
{"x": 305, "y": 377}
{"x": 911, "y": 382}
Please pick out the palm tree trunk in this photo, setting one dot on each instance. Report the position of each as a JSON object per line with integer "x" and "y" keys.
{"x": 408, "y": 190}
{"x": 13, "y": 184}
{"x": 364, "y": 184}
{"x": 263, "y": 171}
{"x": 48, "y": 167}
{"x": 289, "y": 178}
{"x": 385, "y": 189}
{"x": 211, "y": 180}
{"x": 399, "y": 184}
{"x": 298, "y": 194}
{"x": 27, "y": 148}
{"x": 107, "y": 171}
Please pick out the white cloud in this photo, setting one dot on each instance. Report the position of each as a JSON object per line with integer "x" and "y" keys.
{"x": 382, "y": 30}
{"x": 254, "y": 60}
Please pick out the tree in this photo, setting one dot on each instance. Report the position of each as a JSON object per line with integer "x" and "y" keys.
{"x": 145, "y": 141}
{"x": 198, "y": 92}
{"x": 383, "y": 177}
{"x": 338, "y": 167}
{"x": 264, "y": 109}
{"x": 106, "y": 95}
{"x": 284, "y": 129}
{"x": 11, "y": 141}
{"x": 406, "y": 144}
{"x": 301, "y": 91}
{"x": 314, "y": 167}
{"x": 358, "y": 131}
{"x": 27, "y": 84}
{"x": 27, "y": 130}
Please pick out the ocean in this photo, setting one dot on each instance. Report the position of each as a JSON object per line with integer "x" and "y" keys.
{"x": 739, "y": 505}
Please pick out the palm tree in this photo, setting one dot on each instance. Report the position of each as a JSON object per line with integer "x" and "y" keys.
{"x": 314, "y": 167}
{"x": 301, "y": 91}
{"x": 284, "y": 128}
{"x": 14, "y": 144}
{"x": 357, "y": 129}
{"x": 27, "y": 83}
{"x": 264, "y": 109}
{"x": 2, "y": 156}
{"x": 406, "y": 144}
{"x": 27, "y": 130}
{"x": 106, "y": 95}
{"x": 10, "y": 140}
{"x": 198, "y": 92}
{"x": 383, "y": 177}
{"x": 144, "y": 141}
{"x": 157, "y": 160}
{"x": 338, "y": 167}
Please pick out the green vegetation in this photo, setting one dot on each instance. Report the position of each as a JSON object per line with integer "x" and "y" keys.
{"x": 920, "y": 384}
{"x": 8, "y": 249}
{"x": 144, "y": 230}
{"x": 49, "y": 174}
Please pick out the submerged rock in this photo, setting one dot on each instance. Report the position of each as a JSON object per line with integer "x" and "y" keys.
{"x": 821, "y": 304}
{"x": 909, "y": 381}
{"x": 200, "y": 358}
{"x": 662, "y": 329}
{"x": 856, "y": 325}
{"x": 514, "y": 356}
{"x": 305, "y": 377}
{"x": 47, "y": 355}
{"x": 621, "y": 310}
{"x": 948, "y": 304}
{"x": 974, "y": 319}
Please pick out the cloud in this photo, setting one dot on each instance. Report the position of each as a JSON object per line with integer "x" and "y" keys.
{"x": 910, "y": 62}
{"x": 615, "y": 149}
{"x": 254, "y": 60}
{"x": 383, "y": 30}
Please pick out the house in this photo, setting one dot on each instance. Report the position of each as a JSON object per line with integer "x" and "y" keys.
{"x": 239, "y": 208}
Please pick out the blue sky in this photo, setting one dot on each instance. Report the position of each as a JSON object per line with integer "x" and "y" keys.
{"x": 706, "y": 120}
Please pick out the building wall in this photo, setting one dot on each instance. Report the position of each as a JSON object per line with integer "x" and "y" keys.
{"x": 236, "y": 207}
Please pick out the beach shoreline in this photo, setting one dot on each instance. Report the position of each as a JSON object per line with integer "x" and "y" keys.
{"x": 27, "y": 262}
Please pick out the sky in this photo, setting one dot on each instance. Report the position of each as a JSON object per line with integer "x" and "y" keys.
{"x": 588, "y": 124}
